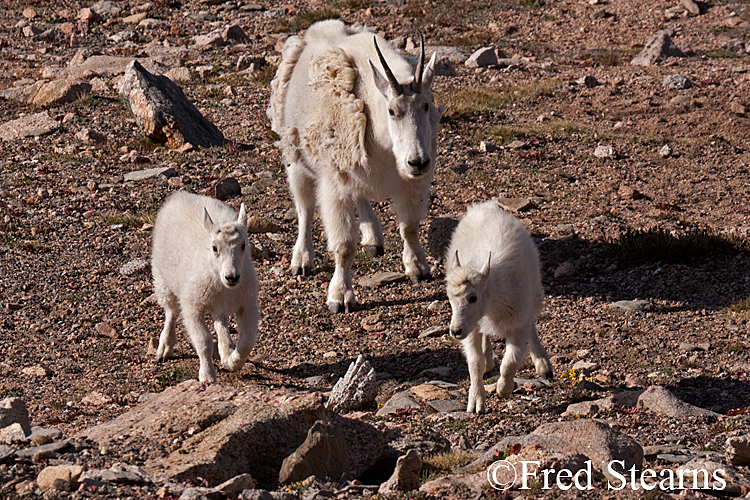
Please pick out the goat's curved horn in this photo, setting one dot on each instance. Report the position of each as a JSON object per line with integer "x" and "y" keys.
{"x": 420, "y": 65}
{"x": 395, "y": 86}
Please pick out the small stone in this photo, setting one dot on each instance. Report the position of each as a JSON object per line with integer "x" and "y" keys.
{"x": 567, "y": 268}
{"x": 135, "y": 18}
{"x": 588, "y": 81}
{"x": 37, "y": 371}
{"x": 106, "y": 330}
{"x": 356, "y": 390}
{"x": 373, "y": 323}
{"x": 28, "y": 126}
{"x": 30, "y": 31}
{"x": 626, "y": 192}
{"x": 257, "y": 224}
{"x": 133, "y": 267}
{"x": 237, "y": 484}
{"x": 665, "y": 151}
{"x": 435, "y": 331}
{"x": 514, "y": 204}
{"x": 737, "y": 108}
{"x": 150, "y": 173}
{"x": 381, "y": 279}
{"x": 208, "y": 41}
{"x": 227, "y": 188}
{"x": 487, "y": 147}
{"x": 406, "y": 476}
{"x": 12, "y": 434}
{"x": 59, "y": 477}
{"x": 677, "y": 82}
{"x": 14, "y": 411}
{"x": 482, "y": 58}
{"x": 632, "y": 305}
{"x": 90, "y": 136}
{"x": 180, "y": 74}
{"x": 429, "y": 392}
{"x": 88, "y": 15}
{"x": 738, "y": 450}
{"x": 516, "y": 144}
{"x": 585, "y": 366}
{"x": 67, "y": 28}
{"x": 691, "y": 6}
{"x": 400, "y": 401}
{"x": 604, "y": 151}
{"x": 29, "y": 13}
{"x": 449, "y": 405}
{"x": 682, "y": 100}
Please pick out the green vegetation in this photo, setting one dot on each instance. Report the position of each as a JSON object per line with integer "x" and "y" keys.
{"x": 441, "y": 464}
{"x": 693, "y": 246}
{"x": 132, "y": 220}
{"x": 470, "y": 101}
{"x": 173, "y": 376}
{"x": 738, "y": 310}
{"x": 721, "y": 54}
{"x": 303, "y": 20}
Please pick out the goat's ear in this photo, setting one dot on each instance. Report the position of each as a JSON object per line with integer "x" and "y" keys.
{"x": 456, "y": 262}
{"x": 380, "y": 81}
{"x": 207, "y": 221}
{"x": 242, "y": 218}
{"x": 428, "y": 73}
{"x": 485, "y": 272}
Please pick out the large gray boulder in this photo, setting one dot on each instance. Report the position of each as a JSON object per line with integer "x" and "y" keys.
{"x": 215, "y": 432}
{"x": 164, "y": 112}
{"x": 658, "y": 48}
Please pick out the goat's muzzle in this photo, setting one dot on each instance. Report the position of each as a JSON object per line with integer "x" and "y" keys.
{"x": 419, "y": 166}
{"x": 458, "y": 334}
{"x": 231, "y": 280}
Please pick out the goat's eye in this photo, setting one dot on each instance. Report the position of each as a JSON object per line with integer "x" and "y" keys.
{"x": 242, "y": 248}
{"x": 216, "y": 250}
{"x": 391, "y": 112}
{"x": 426, "y": 107}
{"x": 472, "y": 299}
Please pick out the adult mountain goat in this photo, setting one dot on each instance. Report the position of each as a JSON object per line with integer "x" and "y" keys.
{"x": 202, "y": 264}
{"x": 495, "y": 290}
{"x": 357, "y": 122}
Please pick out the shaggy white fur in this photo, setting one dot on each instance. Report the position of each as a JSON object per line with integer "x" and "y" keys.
{"x": 202, "y": 264}
{"x": 495, "y": 290}
{"x": 348, "y": 136}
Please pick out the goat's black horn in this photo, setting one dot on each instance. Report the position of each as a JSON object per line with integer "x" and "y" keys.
{"x": 420, "y": 65}
{"x": 395, "y": 86}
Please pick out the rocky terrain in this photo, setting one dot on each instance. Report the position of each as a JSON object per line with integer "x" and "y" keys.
{"x": 617, "y": 131}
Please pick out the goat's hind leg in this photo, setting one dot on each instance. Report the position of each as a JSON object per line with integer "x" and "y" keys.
{"x": 302, "y": 187}
{"x": 370, "y": 228}
{"x": 340, "y": 225}
{"x": 221, "y": 325}
{"x": 168, "y": 335}
{"x": 540, "y": 357}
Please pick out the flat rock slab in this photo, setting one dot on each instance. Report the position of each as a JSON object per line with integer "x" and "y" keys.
{"x": 403, "y": 400}
{"x": 380, "y": 279}
{"x": 28, "y": 126}
{"x": 594, "y": 439}
{"x": 150, "y": 173}
{"x": 164, "y": 112}
{"x": 656, "y": 399}
{"x": 218, "y": 432}
{"x": 447, "y": 405}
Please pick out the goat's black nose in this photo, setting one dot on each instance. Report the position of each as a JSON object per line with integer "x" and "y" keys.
{"x": 419, "y": 164}
{"x": 232, "y": 279}
{"x": 457, "y": 333}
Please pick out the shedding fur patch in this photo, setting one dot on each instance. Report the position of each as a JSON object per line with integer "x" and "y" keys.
{"x": 280, "y": 84}
{"x": 337, "y": 135}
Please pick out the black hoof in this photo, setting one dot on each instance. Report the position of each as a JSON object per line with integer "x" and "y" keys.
{"x": 338, "y": 307}
{"x": 301, "y": 271}
{"x": 375, "y": 250}
{"x": 159, "y": 361}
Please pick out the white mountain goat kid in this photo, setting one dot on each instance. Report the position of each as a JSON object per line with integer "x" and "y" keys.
{"x": 354, "y": 128}
{"x": 202, "y": 264}
{"x": 495, "y": 293}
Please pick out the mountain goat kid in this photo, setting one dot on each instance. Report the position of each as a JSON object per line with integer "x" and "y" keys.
{"x": 497, "y": 292}
{"x": 354, "y": 128}
{"x": 201, "y": 264}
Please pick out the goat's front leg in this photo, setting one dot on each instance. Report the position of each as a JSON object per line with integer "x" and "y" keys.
{"x": 302, "y": 187}
{"x": 200, "y": 336}
{"x": 475, "y": 358}
{"x": 410, "y": 207}
{"x": 369, "y": 225}
{"x": 247, "y": 336}
{"x": 339, "y": 222}
{"x": 540, "y": 357}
